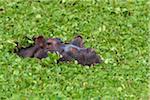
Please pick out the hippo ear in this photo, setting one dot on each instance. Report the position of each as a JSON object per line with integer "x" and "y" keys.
{"x": 78, "y": 41}
{"x": 79, "y": 36}
{"x": 39, "y": 40}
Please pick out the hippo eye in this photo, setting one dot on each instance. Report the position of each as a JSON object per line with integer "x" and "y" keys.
{"x": 49, "y": 43}
{"x": 58, "y": 40}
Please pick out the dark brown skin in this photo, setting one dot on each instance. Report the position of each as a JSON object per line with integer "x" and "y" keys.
{"x": 28, "y": 51}
{"x": 74, "y": 51}
{"x": 84, "y": 56}
{"x": 41, "y": 53}
{"x": 88, "y": 57}
{"x": 54, "y": 45}
{"x": 78, "y": 41}
{"x": 35, "y": 50}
